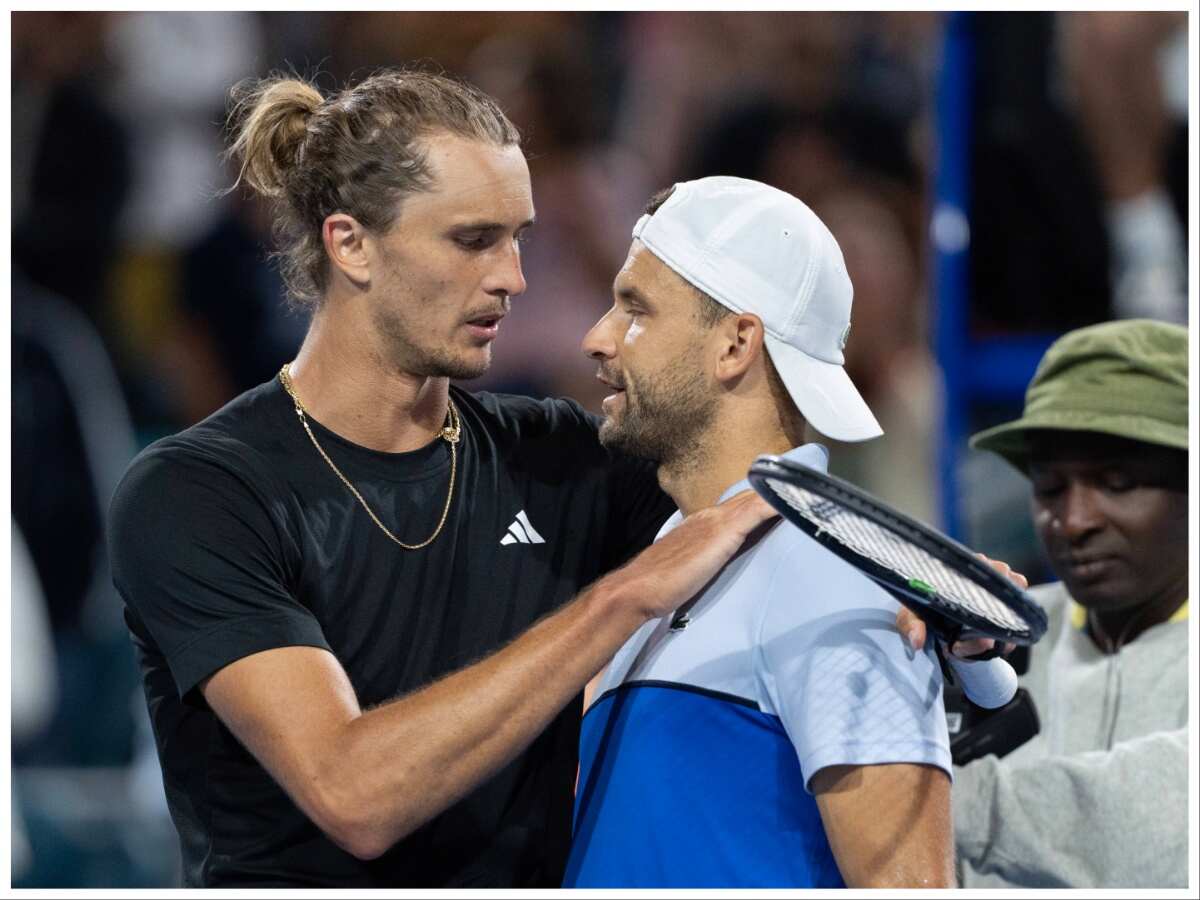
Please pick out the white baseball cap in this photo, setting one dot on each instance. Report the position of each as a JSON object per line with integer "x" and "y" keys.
{"x": 756, "y": 249}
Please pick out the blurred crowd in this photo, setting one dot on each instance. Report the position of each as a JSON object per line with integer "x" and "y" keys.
{"x": 143, "y": 298}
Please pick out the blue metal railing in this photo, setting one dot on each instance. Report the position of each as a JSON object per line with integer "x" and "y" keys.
{"x": 995, "y": 369}
{"x": 950, "y": 233}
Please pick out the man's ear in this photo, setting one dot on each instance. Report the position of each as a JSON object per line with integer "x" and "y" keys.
{"x": 347, "y": 246}
{"x": 740, "y": 342}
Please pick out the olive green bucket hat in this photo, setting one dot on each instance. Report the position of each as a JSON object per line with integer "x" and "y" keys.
{"x": 1127, "y": 378}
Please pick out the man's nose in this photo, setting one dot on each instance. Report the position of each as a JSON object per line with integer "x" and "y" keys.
{"x": 598, "y": 343}
{"x": 1079, "y": 513}
{"x": 507, "y": 277}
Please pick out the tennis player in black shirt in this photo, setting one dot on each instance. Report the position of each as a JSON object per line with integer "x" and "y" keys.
{"x": 365, "y": 603}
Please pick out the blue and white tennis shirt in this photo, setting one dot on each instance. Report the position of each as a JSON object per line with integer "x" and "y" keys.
{"x": 697, "y": 754}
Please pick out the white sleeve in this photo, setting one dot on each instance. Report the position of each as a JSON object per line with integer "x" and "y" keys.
{"x": 847, "y": 687}
{"x": 1102, "y": 819}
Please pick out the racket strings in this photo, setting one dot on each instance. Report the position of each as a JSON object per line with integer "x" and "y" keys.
{"x": 888, "y": 549}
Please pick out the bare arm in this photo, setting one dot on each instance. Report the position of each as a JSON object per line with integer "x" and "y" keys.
{"x": 888, "y": 825}
{"x": 370, "y": 778}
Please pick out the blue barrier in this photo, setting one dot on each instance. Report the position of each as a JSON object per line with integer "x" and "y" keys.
{"x": 993, "y": 369}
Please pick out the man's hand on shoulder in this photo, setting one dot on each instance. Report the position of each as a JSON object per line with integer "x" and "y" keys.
{"x": 671, "y": 571}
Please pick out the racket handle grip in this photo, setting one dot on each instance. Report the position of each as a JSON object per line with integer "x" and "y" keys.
{"x": 990, "y": 683}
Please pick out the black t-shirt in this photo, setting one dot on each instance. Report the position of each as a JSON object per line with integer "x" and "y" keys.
{"x": 234, "y": 536}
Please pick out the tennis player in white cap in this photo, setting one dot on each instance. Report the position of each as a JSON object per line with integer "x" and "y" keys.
{"x": 776, "y": 731}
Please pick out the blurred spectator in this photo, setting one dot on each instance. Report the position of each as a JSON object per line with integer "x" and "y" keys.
{"x": 1073, "y": 116}
{"x": 1138, "y": 138}
{"x": 34, "y": 679}
{"x": 760, "y": 138}
{"x": 172, "y": 73}
{"x": 234, "y": 328}
{"x": 65, "y": 203}
{"x": 680, "y": 66}
{"x": 369, "y": 40}
{"x": 55, "y": 495}
{"x": 1039, "y": 249}
{"x": 887, "y": 355}
{"x": 71, "y": 440}
{"x": 173, "y": 70}
{"x": 34, "y": 682}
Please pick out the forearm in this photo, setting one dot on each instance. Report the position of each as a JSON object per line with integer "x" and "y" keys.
{"x": 1102, "y": 819}
{"x": 395, "y": 767}
{"x": 888, "y": 825}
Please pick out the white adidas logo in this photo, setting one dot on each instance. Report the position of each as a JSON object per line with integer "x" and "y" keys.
{"x": 521, "y": 532}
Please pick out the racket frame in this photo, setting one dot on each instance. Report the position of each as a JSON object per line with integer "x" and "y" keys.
{"x": 949, "y": 623}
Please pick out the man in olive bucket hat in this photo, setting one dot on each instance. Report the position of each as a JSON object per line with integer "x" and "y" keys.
{"x": 1099, "y": 798}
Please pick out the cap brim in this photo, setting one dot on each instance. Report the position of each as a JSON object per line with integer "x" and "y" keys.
{"x": 824, "y": 394}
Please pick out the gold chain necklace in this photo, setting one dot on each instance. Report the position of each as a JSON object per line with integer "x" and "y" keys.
{"x": 450, "y": 433}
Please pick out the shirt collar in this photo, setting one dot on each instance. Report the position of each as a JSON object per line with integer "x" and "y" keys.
{"x": 1079, "y": 615}
{"x": 815, "y": 456}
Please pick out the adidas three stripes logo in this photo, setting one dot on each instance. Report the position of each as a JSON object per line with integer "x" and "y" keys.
{"x": 521, "y": 532}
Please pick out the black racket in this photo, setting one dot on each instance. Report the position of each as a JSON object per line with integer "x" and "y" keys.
{"x": 956, "y": 594}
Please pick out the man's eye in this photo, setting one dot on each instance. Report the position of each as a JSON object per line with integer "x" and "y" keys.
{"x": 1046, "y": 488}
{"x": 473, "y": 241}
{"x": 1119, "y": 482}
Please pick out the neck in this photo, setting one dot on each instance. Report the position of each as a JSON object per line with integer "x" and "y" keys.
{"x": 723, "y": 459}
{"x": 1110, "y": 631}
{"x": 348, "y": 386}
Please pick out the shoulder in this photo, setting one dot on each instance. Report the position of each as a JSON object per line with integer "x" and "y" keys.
{"x": 549, "y": 436}
{"x": 527, "y": 417}
{"x": 232, "y": 446}
{"x": 805, "y": 595}
{"x": 795, "y": 562}
{"x": 211, "y": 495}
{"x": 1054, "y": 599}
{"x": 1051, "y": 594}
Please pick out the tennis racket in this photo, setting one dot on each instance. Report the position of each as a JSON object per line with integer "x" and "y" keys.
{"x": 956, "y": 594}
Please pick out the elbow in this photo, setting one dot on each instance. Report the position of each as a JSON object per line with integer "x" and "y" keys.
{"x": 350, "y": 827}
{"x": 934, "y": 874}
{"x": 361, "y": 843}
{"x": 360, "y": 807}
{"x": 352, "y": 819}
{"x": 360, "y": 846}
{"x": 901, "y": 881}
{"x": 364, "y": 847}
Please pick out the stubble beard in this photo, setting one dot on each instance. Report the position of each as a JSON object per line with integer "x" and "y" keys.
{"x": 404, "y": 351}
{"x": 664, "y": 417}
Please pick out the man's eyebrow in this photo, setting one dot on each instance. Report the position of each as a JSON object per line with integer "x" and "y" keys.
{"x": 484, "y": 225}
{"x": 629, "y": 293}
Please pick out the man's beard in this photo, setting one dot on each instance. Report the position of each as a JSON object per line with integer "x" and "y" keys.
{"x": 406, "y": 354}
{"x": 663, "y": 416}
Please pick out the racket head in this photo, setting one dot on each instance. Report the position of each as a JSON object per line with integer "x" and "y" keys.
{"x": 836, "y": 514}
